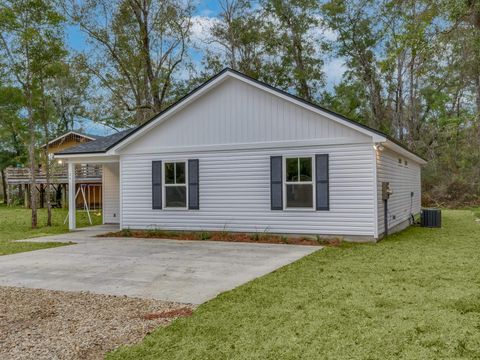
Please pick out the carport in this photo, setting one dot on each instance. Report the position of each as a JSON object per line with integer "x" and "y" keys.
{"x": 94, "y": 153}
{"x": 110, "y": 187}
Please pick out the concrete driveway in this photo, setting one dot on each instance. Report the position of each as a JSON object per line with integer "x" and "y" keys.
{"x": 183, "y": 271}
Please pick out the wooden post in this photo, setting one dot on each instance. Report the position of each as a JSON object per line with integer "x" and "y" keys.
{"x": 72, "y": 222}
{"x": 64, "y": 195}
{"x": 42, "y": 196}
{"x": 26, "y": 196}
{"x": 20, "y": 192}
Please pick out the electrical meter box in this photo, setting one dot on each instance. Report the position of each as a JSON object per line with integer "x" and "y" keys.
{"x": 386, "y": 190}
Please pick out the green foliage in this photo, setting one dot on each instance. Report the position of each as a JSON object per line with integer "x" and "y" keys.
{"x": 205, "y": 235}
{"x": 416, "y": 289}
{"x": 127, "y": 232}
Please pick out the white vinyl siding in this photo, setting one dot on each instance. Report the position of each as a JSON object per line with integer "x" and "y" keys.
{"x": 238, "y": 113}
{"x": 403, "y": 180}
{"x": 111, "y": 198}
{"x": 235, "y": 193}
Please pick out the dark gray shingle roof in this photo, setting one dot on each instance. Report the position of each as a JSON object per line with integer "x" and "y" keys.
{"x": 102, "y": 144}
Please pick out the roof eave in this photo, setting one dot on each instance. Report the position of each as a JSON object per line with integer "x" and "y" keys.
{"x": 392, "y": 145}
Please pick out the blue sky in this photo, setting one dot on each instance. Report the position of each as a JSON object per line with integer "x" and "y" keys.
{"x": 204, "y": 10}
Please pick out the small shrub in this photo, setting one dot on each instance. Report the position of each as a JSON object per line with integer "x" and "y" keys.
{"x": 224, "y": 233}
{"x": 255, "y": 236}
{"x": 264, "y": 235}
{"x": 205, "y": 235}
{"x": 156, "y": 233}
{"x": 126, "y": 232}
{"x": 284, "y": 239}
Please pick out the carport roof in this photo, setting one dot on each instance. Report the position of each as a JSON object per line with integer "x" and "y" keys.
{"x": 97, "y": 146}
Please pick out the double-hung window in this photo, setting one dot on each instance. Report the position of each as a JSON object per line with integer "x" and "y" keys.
{"x": 175, "y": 186}
{"x": 299, "y": 183}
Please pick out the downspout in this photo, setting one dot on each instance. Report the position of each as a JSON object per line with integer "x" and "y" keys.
{"x": 375, "y": 192}
{"x": 385, "y": 217}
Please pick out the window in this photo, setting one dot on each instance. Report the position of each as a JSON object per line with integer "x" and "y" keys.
{"x": 299, "y": 182}
{"x": 175, "y": 185}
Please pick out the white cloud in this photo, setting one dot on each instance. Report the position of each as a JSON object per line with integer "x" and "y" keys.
{"x": 329, "y": 34}
{"x": 334, "y": 70}
{"x": 201, "y": 26}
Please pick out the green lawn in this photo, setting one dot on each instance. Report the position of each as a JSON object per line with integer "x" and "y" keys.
{"x": 413, "y": 296}
{"x": 15, "y": 225}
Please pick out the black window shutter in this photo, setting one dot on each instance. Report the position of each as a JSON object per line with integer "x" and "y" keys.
{"x": 321, "y": 182}
{"x": 156, "y": 184}
{"x": 276, "y": 183}
{"x": 193, "y": 185}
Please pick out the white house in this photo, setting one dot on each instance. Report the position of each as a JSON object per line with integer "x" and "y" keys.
{"x": 239, "y": 155}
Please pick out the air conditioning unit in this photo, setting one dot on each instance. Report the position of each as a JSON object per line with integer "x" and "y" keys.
{"x": 431, "y": 218}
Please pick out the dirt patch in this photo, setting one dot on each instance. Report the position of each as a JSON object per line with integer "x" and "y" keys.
{"x": 226, "y": 236}
{"x": 45, "y": 324}
{"x": 170, "y": 314}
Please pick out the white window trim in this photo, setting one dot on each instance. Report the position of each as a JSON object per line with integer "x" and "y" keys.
{"x": 285, "y": 183}
{"x": 165, "y": 185}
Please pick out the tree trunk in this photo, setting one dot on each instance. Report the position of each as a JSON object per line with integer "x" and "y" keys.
{"x": 31, "y": 156}
{"x": 47, "y": 160}
{"x": 4, "y": 186}
{"x": 302, "y": 84}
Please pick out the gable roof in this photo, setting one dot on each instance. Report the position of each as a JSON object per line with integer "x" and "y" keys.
{"x": 72, "y": 133}
{"x": 132, "y": 134}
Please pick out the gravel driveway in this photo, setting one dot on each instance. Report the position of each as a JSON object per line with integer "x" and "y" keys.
{"x": 46, "y": 324}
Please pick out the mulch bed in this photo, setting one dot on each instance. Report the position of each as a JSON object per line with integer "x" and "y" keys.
{"x": 226, "y": 236}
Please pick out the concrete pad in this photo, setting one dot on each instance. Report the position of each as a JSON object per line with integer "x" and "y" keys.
{"x": 174, "y": 270}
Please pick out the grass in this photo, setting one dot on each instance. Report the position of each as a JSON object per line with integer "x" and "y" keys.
{"x": 15, "y": 225}
{"x": 415, "y": 295}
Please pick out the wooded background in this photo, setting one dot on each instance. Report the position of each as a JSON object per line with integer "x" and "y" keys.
{"x": 412, "y": 69}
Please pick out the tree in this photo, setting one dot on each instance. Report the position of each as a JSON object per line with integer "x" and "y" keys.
{"x": 273, "y": 42}
{"x": 12, "y": 131}
{"x": 71, "y": 94}
{"x": 30, "y": 38}
{"x": 290, "y": 38}
{"x": 412, "y": 72}
{"x": 357, "y": 42}
{"x": 137, "y": 49}
{"x": 236, "y": 40}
